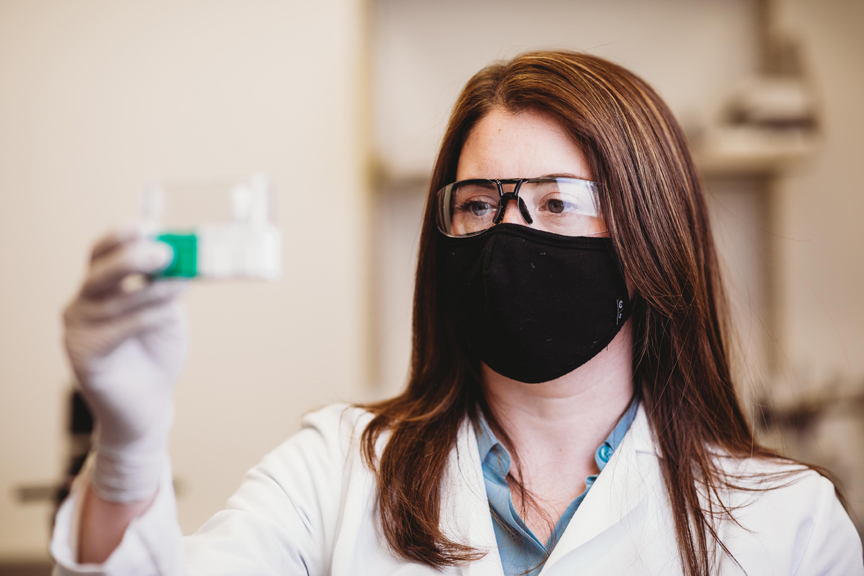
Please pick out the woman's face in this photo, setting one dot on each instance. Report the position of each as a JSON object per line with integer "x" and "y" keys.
{"x": 523, "y": 145}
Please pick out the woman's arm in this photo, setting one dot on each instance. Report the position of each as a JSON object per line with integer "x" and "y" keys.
{"x": 103, "y": 524}
{"x": 126, "y": 348}
{"x": 126, "y": 343}
{"x": 283, "y": 518}
{"x": 827, "y": 541}
{"x": 104, "y": 540}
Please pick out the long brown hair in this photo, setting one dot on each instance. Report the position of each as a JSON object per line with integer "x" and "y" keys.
{"x": 655, "y": 211}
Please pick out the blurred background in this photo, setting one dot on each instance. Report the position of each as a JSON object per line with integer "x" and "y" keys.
{"x": 343, "y": 103}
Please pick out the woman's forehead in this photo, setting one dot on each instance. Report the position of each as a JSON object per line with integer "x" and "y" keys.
{"x": 522, "y": 145}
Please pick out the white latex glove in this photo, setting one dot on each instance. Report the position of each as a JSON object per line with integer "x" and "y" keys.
{"x": 127, "y": 347}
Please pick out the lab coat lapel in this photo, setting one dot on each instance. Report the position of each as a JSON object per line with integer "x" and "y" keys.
{"x": 465, "y": 515}
{"x": 623, "y": 483}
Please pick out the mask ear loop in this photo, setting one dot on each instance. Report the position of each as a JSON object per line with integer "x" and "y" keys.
{"x": 505, "y": 199}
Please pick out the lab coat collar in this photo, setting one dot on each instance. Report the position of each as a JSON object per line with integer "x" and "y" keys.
{"x": 465, "y": 516}
{"x": 632, "y": 472}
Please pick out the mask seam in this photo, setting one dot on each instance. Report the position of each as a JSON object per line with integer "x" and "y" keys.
{"x": 562, "y": 241}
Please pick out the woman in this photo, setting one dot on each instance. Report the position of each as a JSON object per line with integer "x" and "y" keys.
{"x": 570, "y": 408}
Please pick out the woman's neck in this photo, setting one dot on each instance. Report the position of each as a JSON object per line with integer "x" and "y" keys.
{"x": 556, "y": 427}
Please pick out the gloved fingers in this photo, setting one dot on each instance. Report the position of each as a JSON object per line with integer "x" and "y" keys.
{"x": 114, "y": 238}
{"x": 136, "y": 257}
{"x": 106, "y": 336}
{"x": 105, "y": 309}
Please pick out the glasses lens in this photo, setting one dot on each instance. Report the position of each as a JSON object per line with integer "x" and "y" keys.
{"x": 565, "y": 206}
{"x": 467, "y": 207}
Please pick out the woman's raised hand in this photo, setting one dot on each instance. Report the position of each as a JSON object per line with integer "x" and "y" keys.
{"x": 127, "y": 346}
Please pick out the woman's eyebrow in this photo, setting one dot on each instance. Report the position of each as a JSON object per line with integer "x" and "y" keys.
{"x": 562, "y": 175}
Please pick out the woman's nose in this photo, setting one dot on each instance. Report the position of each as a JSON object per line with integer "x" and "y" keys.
{"x": 511, "y": 213}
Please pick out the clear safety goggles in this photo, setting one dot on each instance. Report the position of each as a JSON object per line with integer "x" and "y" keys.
{"x": 566, "y": 206}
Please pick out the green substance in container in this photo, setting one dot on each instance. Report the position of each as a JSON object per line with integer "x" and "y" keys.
{"x": 185, "y": 261}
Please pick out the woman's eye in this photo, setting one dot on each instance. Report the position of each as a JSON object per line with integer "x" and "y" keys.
{"x": 556, "y": 206}
{"x": 476, "y": 208}
{"x": 481, "y": 208}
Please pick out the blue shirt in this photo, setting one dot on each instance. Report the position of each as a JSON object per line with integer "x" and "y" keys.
{"x": 521, "y": 552}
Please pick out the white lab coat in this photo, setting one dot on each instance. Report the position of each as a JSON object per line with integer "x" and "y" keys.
{"x": 308, "y": 508}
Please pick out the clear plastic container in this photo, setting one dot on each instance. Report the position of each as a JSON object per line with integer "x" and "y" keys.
{"x": 217, "y": 229}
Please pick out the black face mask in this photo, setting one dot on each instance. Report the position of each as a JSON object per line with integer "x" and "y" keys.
{"x": 533, "y": 305}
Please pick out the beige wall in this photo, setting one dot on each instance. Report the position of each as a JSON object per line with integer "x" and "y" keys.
{"x": 98, "y": 97}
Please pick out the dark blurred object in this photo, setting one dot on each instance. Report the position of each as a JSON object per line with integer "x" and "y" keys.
{"x": 822, "y": 425}
{"x": 80, "y": 430}
{"x": 80, "y": 427}
{"x": 26, "y": 569}
{"x": 802, "y": 417}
